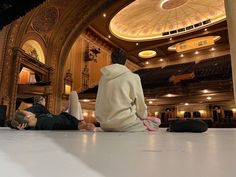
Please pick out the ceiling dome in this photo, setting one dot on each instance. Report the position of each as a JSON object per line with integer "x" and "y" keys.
{"x": 145, "y": 20}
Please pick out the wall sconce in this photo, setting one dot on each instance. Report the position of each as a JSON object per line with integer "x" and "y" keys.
{"x": 68, "y": 82}
{"x": 91, "y": 53}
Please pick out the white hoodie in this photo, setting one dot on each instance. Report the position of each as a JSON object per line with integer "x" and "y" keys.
{"x": 120, "y": 102}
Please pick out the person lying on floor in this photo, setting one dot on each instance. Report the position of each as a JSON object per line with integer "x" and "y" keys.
{"x": 120, "y": 104}
{"x": 70, "y": 120}
{"x": 38, "y": 106}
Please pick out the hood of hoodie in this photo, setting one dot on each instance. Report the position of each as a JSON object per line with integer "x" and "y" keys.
{"x": 112, "y": 71}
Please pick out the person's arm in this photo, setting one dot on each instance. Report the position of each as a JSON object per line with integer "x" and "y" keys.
{"x": 141, "y": 107}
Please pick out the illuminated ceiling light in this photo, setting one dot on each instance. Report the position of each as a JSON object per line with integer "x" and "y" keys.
{"x": 172, "y": 4}
{"x": 205, "y": 91}
{"x": 137, "y": 43}
{"x": 182, "y": 55}
{"x": 85, "y": 100}
{"x": 104, "y": 15}
{"x": 163, "y": 2}
{"x": 150, "y": 102}
{"x": 171, "y": 39}
{"x": 205, "y": 29}
{"x": 85, "y": 114}
{"x": 196, "y": 53}
{"x": 147, "y": 62}
{"x": 128, "y": 29}
{"x": 109, "y": 36}
{"x": 169, "y": 95}
{"x": 189, "y": 45}
{"x": 186, "y": 104}
{"x": 208, "y": 98}
{"x": 213, "y": 49}
{"x": 147, "y": 54}
{"x": 161, "y": 59}
{"x": 201, "y": 111}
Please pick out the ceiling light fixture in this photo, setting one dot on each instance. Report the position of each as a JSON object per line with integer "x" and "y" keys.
{"x": 147, "y": 62}
{"x": 163, "y": 2}
{"x": 161, "y": 60}
{"x": 205, "y": 91}
{"x": 196, "y": 52}
{"x": 150, "y": 102}
{"x": 182, "y": 55}
{"x": 213, "y": 49}
{"x": 147, "y": 54}
{"x": 109, "y": 36}
{"x": 171, "y": 39}
{"x": 137, "y": 43}
{"x": 205, "y": 29}
{"x": 85, "y": 100}
{"x": 208, "y": 98}
{"x": 186, "y": 104}
{"x": 104, "y": 15}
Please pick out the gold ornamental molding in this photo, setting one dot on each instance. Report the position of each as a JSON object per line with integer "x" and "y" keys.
{"x": 196, "y": 43}
{"x": 145, "y": 20}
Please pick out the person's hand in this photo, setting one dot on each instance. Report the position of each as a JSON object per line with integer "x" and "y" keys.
{"x": 22, "y": 126}
{"x": 90, "y": 127}
{"x": 86, "y": 126}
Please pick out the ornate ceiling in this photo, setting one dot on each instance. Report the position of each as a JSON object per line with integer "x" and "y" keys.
{"x": 145, "y": 20}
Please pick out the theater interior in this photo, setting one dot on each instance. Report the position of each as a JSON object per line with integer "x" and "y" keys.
{"x": 183, "y": 51}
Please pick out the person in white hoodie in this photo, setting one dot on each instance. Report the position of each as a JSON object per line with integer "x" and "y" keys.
{"x": 120, "y": 104}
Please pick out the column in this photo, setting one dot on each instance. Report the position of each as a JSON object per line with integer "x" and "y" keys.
{"x": 230, "y": 8}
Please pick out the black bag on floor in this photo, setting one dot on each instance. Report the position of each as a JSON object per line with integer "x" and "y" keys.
{"x": 188, "y": 125}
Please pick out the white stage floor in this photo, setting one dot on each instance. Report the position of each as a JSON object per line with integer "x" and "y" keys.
{"x": 87, "y": 154}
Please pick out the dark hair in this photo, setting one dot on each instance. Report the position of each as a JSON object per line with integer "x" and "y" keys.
{"x": 38, "y": 99}
{"x": 119, "y": 56}
{"x": 18, "y": 119}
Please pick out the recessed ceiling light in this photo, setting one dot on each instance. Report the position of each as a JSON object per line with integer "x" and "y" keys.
{"x": 205, "y": 29}
{"x": 137, "y": 43}
{"x": 213, "y": 49}
{"x": 196, "y": 52}
{"x": 85, "y": 114}
{"x": 161, "y": 59}
{"x": 147, "y": 62}
{"x": 170, "y": 38}
{"x": 186, "y": 104}
{"x": 104, "y": 15}
{"x": 150, "y": 102}
{"x": 205, "y": 91}
{"x": 182, "y": 55}
{"x": 170, "y": 95}
{"x": 147, "y": 54}
{"x": 109, "y": 36}
{"x": 208, "y": 98}
{"x": 85, "y": 100}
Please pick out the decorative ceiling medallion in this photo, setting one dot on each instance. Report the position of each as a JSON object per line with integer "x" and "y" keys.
{"x": 144, "y": 20}
{"x": 172, "y": 4}
{"x": 147, "y": 54}
{"x": 45, "y": 19}
{"x": 196, "y": 43}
